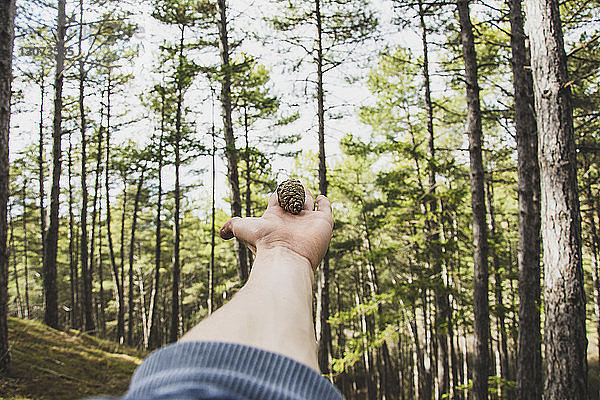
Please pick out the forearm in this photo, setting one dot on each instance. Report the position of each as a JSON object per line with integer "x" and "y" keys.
{"x": 273, "y": 311}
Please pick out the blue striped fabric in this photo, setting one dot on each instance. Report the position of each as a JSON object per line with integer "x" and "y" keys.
{"x": 225, "y": 371}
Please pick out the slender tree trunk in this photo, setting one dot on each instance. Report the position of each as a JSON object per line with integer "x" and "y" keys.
{"x": 72, "y": 258}
{"x": 100, "y": 266}
{"x": 441, "y": 298}
{"x": 136, "y": 206}
{"x": 25, "y": 311}
{"x": 83, "y": 241}
{"x": 25, "y": 255}
{"x": 175, "y": 311}
{"x": 500, "y": 312}
{"x": 565, "y": 340}
{"x": 230, "y": 150}
{"x": 122, "y": 242}
{"x": 529, "y": 356}
{"x": 78, "y": 315}
{"x": 87, "y": 274}
{"x": 480, "y": 246}
{"x": 248, "y": 186}
{"x": 51, "y": 237}
{"x": 211, "y": 270}
{"x": 323, "y": 327}
{"x": 120, "y": 310}
{"x": 41, "y": 168}
{"x": 154, "y": 338}
{"x": 12, "y": 250}
{"x": 143, "y": 310}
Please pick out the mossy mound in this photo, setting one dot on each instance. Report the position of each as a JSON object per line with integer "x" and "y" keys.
{"x": 51, "y": 364}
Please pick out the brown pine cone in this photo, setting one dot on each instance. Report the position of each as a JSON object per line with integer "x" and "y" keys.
{"x": 290, "y": 194}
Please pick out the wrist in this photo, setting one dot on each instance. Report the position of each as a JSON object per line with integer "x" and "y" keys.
{"x": 280, "y": 260}
{"x": 284, "y": 252}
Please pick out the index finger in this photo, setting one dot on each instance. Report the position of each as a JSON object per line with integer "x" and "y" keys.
{"x": 324, "y": 205}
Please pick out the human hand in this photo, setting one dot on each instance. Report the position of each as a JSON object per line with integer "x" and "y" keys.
{"x": 307, "y": 234}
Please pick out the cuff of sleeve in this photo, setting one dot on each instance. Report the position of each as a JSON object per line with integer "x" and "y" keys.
{"x": 244, "y": 372}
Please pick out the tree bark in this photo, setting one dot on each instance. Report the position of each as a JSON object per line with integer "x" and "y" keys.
{"x": 122, "y": 243}
{"x": 7, "y": 18}
{"x": 441, "y": 298}
{"x": 324, "y": 329}
{"x": 136, "y": 206}
{"x": 87, "y": 275}
{"x": 51, "y": 237}
{"x": 101, "y": 315}
{"x": 230, "y": 150}
{"x": 175, "y": 310}
{"x": 25, "y": 254}
{"x": 154, "y": 340}
{"x": 120, "y": 310}
{"x": 500, "y": 311}
{"x": 564, "y": 298}
{"x": 480, "y": 245}
{"x": 211, "y": 270}
{"x": 72, "y": 257}
{"x": 529, "y": 355}
{"x": 83, "y": 241}
{"x": 41, "y": 168}
{"x": 13, "y": 251}
{"x": 248, "y": 181}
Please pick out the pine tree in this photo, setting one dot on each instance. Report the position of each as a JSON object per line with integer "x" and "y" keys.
{"x": 51, "y": 235}
{"x": 529, "y": 362}
{"x": 7, "y": 18}
{"x": 480, "y": 245}
{"x": 564, "y": 298}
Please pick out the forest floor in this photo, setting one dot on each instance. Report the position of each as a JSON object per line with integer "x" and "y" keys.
{"x": 64, "y": 365}
{"x": 53, "y": 364}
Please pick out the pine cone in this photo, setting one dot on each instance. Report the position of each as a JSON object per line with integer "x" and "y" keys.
{"x": 290, "y": 194}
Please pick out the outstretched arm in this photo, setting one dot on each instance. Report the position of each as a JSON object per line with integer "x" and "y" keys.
{"x": 273, "y": 311}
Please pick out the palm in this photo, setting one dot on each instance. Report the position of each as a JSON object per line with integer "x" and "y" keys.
{"x": 307, "y": 234}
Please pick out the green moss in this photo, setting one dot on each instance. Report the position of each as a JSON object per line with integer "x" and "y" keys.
{"x": 52, "y": 364}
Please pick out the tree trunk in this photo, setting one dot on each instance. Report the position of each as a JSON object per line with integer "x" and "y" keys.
{"x": 41, "y": 168}
{"x": 51, "y": 237}
{"x": 122, "y": 242}
{"x": 87, "y": 274}
{"x": 175, "y": 311}
{"x": 72, "y": 258}
{"x": 101, "y": 316}
{"x": 211, "y": 270}
{"x": 25, "y": 255}
{"x": 7, "y": 17}
{"x": 83, "y": 241}
{"x": 136, "y": 205}
{"x": 154, "y": 340}
{"x": 248, "y": 187}
{"x": 120, "y": 301}
{"x": 529, "y": 356}
{"x": 565, "y": 340}
{"x": 500, "y": 311}
{"x": 323, "y": 327}
{"x": 13, "y": 251}
{"x": 441, "y": 299}
{"x": 480, "y": 245}
{"x": 143, "y": 310}
{"x": 230, "y": 151}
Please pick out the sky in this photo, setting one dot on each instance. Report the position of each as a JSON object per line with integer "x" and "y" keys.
{"x": 295, "y": 90}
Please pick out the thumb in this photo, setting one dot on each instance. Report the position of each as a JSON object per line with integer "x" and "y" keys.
{"x": 245, "y": 229}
